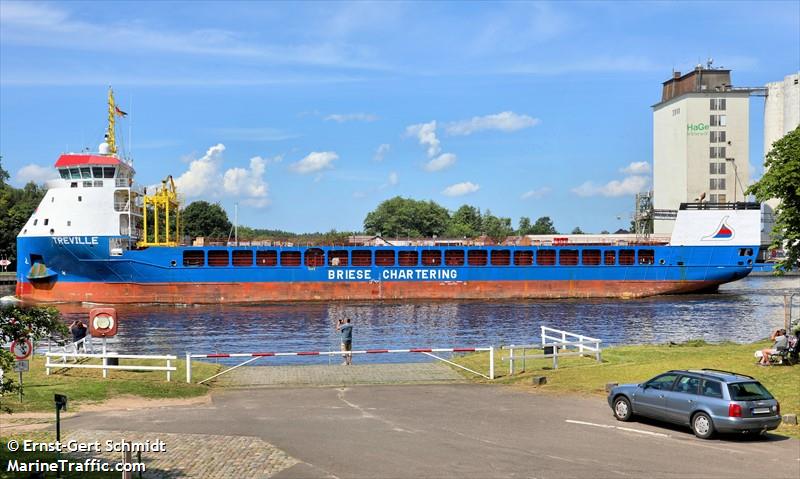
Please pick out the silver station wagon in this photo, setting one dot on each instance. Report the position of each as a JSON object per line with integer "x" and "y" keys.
{"x": 707, "y": 400}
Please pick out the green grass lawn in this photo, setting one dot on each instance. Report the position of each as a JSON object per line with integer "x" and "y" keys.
{"x": 635, "y": 364}
{"x": 84, "y": 386}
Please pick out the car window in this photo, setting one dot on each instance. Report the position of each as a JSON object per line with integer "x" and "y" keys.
{"x": 712, "y": 389}
{"x": 752, "y": 391}
{"x": 663, "y": 382}
{"x": 688, "y": 385}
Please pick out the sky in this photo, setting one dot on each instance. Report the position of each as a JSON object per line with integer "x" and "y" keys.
{"x": 308, "y": 115}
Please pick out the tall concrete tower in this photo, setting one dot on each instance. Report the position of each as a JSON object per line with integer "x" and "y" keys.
{"x": 700, "y": 141}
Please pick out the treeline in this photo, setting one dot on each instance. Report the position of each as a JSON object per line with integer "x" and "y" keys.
{"x": 16, "y": 206}
{"x": 394, "y": 218}
{"x": 405, "y": 217}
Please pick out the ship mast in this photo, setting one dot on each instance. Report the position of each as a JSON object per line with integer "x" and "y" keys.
{"x": 111, "y": 137}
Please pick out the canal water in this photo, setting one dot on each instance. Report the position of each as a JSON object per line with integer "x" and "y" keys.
{"x": 743, "y": 311}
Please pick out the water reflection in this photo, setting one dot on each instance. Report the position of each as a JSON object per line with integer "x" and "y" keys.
{"x": 743, "y": 311}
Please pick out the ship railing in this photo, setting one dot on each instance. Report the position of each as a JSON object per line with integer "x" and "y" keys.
{"x": 251, "y": 357}
{"x": 555, "y": 344}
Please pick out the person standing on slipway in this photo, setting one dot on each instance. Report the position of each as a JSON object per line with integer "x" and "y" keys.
{"x": 346, "y": 330}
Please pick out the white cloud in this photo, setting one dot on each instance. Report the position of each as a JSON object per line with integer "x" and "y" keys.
{"x": 202, "y": 177}
{"x": 249, "y": 183}
{"x": 314, "y": 162}
{"x": 35, "y": 173}
{"x": 461, "y": 189}
{"x": 344, "y": 117}
{"x": 504, "y": 121}
{"x": 426, "y": 134}
{"x": 445, "y": 160}
{"x": 393, "y": 178}
{"x": 381, "y": 152}
{"x": 628, "y": 186}
{"x": 636, "y": 168}
{"x": 536, "y": 193}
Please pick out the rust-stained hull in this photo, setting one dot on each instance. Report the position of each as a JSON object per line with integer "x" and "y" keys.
{"x": 199, "y": 293}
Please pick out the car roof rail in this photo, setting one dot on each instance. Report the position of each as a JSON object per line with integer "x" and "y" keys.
{"x": 727, "y": 372}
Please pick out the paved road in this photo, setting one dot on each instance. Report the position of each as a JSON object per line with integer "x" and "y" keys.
{"x": 455, "y": 430}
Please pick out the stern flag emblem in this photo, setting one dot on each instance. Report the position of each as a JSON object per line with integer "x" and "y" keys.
{"x": 722, "y": 232}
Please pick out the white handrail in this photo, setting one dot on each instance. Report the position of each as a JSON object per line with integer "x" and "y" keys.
{"x": 107, "y": 355}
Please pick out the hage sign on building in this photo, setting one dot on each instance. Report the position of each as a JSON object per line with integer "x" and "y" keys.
{"x": 697, "y": 129}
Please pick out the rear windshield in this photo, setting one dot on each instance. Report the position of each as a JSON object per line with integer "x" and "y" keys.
{"x": 748, "y": 392}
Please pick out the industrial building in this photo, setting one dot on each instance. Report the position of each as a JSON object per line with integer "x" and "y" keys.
{"x": 700, "y": 141}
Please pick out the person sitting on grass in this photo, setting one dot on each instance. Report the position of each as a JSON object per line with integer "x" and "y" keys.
{"x": 781, "y": 343}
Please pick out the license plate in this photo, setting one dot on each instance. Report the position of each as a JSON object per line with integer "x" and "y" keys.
{"x": 761, "y": 410}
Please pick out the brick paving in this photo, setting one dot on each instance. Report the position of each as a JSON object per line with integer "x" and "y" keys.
{"x": 339, "y": 375}
{"x": 193, "y": 455}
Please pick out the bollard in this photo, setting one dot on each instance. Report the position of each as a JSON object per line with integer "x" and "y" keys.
{"x": 491, "y": 362}
{"x": 188, "y": 368}
{"x": 610, "y": 386}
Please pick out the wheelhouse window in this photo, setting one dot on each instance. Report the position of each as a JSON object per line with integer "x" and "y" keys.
{"x": 626, "y": 256}
{"x": 609, "y": 258}
{"x": 75, "y": 173}
{"x": 193, "y": 258}
{"x": 266, "y": 258}
{"x": 64, "y": 173}
{"x": 408, "y": 258}
{"x": 314, "y": 257}
{"x": 546, "y": 257}
{"x": 454, "y": 257}
{"x": 290, "y": 258}
{"x": 477, "y": 257}
{"x": 523, "y": 257}
{"x": 218, "y": 257}
{"x": 501, "y": 257}
{"x": 568, "y": 257}
{"x": 109, "y": 171}
{"x": 97, "y": 171}
{"x": 384, "y": 258}
{"x": 591, "y": 257}
{"x": 337, "y": 258}
{"x": 242, "y": 257}
{"x": 362, "y": 257}
{"x": 86, "y": 173}
{"x": 647, "y": 256}
{"x": 431, "y": 257}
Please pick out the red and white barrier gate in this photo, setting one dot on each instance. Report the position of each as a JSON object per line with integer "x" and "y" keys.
{"x": 257, "y": 356}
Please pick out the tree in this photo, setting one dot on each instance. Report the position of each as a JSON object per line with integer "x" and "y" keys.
{"x": 202, "y": 218}
{"x": 465, "y": 222}
{"x": 17, "y": 323}
{"x": 543, "y": 226}
{"x": 525, "y": 226}
{"x": 577, "y": 231}
{"x": 398, "y": 217}
{"x": 16, "y": 207}
{"x": 495, "y": 227}
{"x": 4, "y": 176}
{"x": 781, "y": 180}
{"x": 604, "y": 232}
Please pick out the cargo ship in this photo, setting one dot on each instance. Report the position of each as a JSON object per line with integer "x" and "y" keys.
{"x": 97, "y": 237}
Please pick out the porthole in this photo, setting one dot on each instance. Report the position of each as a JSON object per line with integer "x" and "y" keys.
{"x": 25, "y": 231}
{"x": 52, "y": 231}
{"x": 46, "y": 221}
{"x": 35, "y": 221}
{"x": 80, "y": 198}
{"x": 749, "y": 261}
{"x": 173, "y": 263}
{"x": 69, "y": 223}
{"x": 661, "y": 261}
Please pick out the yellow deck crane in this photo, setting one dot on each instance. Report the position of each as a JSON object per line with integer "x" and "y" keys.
{"x": 161, "y": 205}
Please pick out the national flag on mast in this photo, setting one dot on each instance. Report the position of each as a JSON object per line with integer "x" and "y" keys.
{"x": 120, "y": 112}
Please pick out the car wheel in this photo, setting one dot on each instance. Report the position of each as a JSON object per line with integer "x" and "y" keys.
{"x": 702, "y": 426}
{"x": 622, "y": 409}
